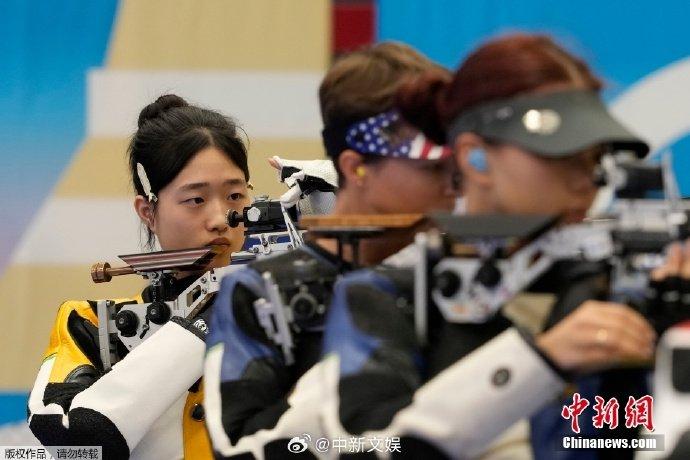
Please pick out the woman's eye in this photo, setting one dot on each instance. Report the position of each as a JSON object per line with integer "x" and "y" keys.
{"x": 195, "y": 200}
{"x": 236, "y": 196}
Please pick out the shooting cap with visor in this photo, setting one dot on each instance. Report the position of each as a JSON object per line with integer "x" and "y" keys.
{"x": 556, "y": 124}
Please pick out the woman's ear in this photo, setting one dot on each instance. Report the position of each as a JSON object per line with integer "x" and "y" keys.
{"x": 144, "y": 210}
{"x": 472, "y": 160}
{"x": 352, "y": 167}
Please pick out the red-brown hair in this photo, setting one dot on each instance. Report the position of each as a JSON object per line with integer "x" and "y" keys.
{"x": 501, "y": 68}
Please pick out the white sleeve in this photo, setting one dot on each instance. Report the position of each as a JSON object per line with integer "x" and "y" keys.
{"x": 129, "y": 398}
{"x": 463, "y": 408}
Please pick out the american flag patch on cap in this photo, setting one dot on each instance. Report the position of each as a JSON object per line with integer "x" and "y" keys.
{"x": 388, "y": 135}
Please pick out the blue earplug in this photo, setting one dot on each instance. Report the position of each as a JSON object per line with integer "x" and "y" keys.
{"x": 477, "y": 159}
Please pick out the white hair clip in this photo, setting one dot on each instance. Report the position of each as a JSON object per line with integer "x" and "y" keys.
{"x": 144, "y": 179}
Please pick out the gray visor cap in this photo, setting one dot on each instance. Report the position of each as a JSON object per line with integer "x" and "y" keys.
{"x": 557, "y": 124}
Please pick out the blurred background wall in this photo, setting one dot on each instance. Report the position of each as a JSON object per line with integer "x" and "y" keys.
{"x": 74, "y": 78}
{"x": 75, "y": 74}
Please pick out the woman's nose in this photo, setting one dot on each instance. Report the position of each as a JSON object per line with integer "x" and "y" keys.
{"x": 217, "y": 221}
{"x": 582, "y": 180}
{"x": 583, "y": 172}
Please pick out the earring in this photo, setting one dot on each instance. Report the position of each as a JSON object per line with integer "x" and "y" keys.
{"x": 361, "y": 171}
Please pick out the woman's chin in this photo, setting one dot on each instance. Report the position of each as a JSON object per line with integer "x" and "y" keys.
{"x": 221, "y": 259}
{"x": 573, "y": 217}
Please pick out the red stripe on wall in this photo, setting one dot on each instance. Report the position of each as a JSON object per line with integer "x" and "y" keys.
{"x": 353, "y": 25}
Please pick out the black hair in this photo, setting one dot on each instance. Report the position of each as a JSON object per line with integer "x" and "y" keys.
{"x": 170, "y": 133}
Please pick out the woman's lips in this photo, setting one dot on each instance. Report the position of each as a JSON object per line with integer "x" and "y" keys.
{"x": 219, "y": 242}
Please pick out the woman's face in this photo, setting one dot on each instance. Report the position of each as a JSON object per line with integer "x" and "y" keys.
{"x": 525, "y": 183}
{"x": 409, "y": 186}
{"x": 191, "y": 210}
